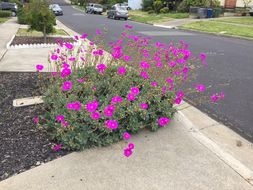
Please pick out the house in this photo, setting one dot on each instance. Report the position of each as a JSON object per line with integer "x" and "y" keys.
{"x": 231, "y": 4}
{"x": 135, "y": 4}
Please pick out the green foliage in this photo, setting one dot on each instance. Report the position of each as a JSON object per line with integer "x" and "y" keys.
{"x": 22, "y": 15}
{"x": 164, "y": 10}
{"x": 147, "y": 5}
{"x": 215, "y": 3}
{"x": 4, "y": 14}
{"x": 84, "y": 132}
{"x": 40, "y": 18}
{"x": 158, "y": 5}
{"x": 183, "y": 7}
{"x": 151, "y": 12}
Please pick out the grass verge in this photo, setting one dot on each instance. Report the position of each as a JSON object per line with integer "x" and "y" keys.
{"x": 239, "y": 20}
{"x": 26, "y": 32}
{"x": 144, "y": 17}
{"x": 220, "y": 28}
{"x": 2, "y": 20}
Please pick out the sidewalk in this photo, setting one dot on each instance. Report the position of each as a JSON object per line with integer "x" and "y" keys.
{"x": 7, "y": 31}
{"x": 167, "y": 159}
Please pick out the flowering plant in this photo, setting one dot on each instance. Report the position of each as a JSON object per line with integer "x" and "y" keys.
{"x": 95, "y": 98}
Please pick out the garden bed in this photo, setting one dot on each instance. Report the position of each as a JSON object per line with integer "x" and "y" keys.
{"x": 22, "y": 40}
{"x": 23, "y": 145}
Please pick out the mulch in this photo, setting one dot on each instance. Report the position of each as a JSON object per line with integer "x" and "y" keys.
{"x": 20, "y": 40}
{"x": 23, "y": 145}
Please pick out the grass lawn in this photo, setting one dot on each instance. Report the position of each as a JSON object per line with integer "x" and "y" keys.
{"x": 238, "y": 20}
{"x": 144, "y": 17}
{"x": 220, "y": 28}
{"x": 25, "y": 32}
{"x": 2, "y": 20}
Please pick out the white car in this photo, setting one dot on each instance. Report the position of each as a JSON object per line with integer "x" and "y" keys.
{"x": 56, "y": 9}
{"x": 94, "y": 8}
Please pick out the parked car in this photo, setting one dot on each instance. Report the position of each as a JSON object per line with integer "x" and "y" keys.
{"x": 57, "y": 10}
{"x": 9, "y": 7}
{"x": 93, "y": 8}
{"x": 123, "y": 5}
{"x": 251, "y": 11}
{"x": 117, "y": 12}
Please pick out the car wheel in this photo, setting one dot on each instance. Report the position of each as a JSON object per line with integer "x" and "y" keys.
{"x": 125, "y": 18}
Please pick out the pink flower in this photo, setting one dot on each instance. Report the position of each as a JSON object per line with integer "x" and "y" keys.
{"x": 91, "y": 43}
{"x": 98, "y": 32}
{"x": 112, "y": 124}
{"x": 117, "y": 99}
{"x": 84, "y": 36}
{"x": 39, "y": 67}
{"x": 81, "y": 80}
{"x": 127, "y": 152}
{"x": 144, "y": 75}
{"x": 60, "y": 118}
{"x": 95, "y": 115}
{"x": 144, "y": 65}
{"x": 65, "y": 72}
{"x": 201, "y": 87}
{"x": 126, "y": 135}
{"x": 65, "y": 123}
{"x": 74, "y": 106}
{"x": 222, "y": 95}
{"x": 159, "y": 64}
{"x": 214, "y": 98}
{"x": 202, "y": 56}
{"x": 163, "y": 121}
{"x": 127, "y": 58}
{"x": 131, "y": 146}
{"x": 72, "y": 59}
{"x": 180, "y": 94}
{"x": 57, "y": 147}
{"x": 172, "y": 64}
{"x": 154, "y": 84}
{"x": 69, "y": 46}
{"x": 101, "y": 68}
{"x": 178, "y": 100}
{"x": 67, "y": 86}
{"x": 135, "y": 90}
{"x": 92, "y": 106}
{"x": 131, "y": 97}
{"x": 36, "y": 120}
{"x": 144, "y": 106}
{"x": 54, "y": 57}
{"x": 128, "y": 26}
{"x": 169, "y": 80}
{"x": 109, "y": 110}
{"x": 121, "y": 71}
{"x": 54, "y": 74}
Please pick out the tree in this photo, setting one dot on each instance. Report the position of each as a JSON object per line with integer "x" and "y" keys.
{"x": 40, "y": 18}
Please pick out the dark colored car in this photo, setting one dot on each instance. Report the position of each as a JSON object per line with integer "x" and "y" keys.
{"x": 57, "y": 10}
{"x": 117, "y": 12}
{"x": 251, "y": 11}
{"x": 9, "y": 7}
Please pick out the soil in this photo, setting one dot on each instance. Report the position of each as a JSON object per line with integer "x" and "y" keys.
{"x": 20, "y": 40}
{"x": 23, "y": 145}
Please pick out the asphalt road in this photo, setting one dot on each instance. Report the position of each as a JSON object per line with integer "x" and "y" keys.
{"x": 230, "y": 63}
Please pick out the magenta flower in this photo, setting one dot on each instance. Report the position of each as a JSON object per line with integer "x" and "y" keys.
{"x": 101, "y": 68}
{"x": 57, "y": 147}
{"x": 92, "y": 106}
{"x": 135, "y": 90}
{"x": 169, "y": 80}
{"x": 54, "y": 57}
{"x": 81, "y": 80}
{"x": 72, "y": 59}
{"x": 95, "y": 115}
{"x": 54, "y": 74}
{"x": 126, "y": 58}
{"x": 180, "y": 94}
{"x": 69, "y": 46}
{"x": 201, "y": 87}
{"x": 84, "y": 36}
{"x": 144, "y": 65}
{"x": 163, "y": 121}
{"x": 155, "y": 84}
{"x": 222, "y": 95}
{"x": 112, "y": 124}
{"x": 36, "y": 120}
{"x": 127, "y": 152}
{"x": 202, "y": 56}
{"x": 126, "y": 135}
{"x": 91, "y": 43}
{"x": 172, "y": 64}
{"x": 131, "y": 97}
{"x": 74, "y": 106}
{"x": 116, "y": 99}
{"x": 39, "y": 67}
{"x": 121, "y": 71}
{"x": 60, "y": 118}
{"x": 131, "y": 146}
{"x": 64, "y": 123}
{"x": 178, "y": 100}
{"x": 214, "y": 98}
{"x": 159, "y": 64}
{"x": 67, "y": 86}
{"x": 144, "y": 106}
{"x": 65, "y": 72}
{"x": 144, "y": 75}
{"x": 108, "y": 112}
{"x": 98, "y": 32}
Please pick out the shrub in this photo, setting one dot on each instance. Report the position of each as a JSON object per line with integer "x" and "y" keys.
{"x": 158, "y": 5}
{"x": 5, "y": 14}
{"x": 151, "y": 12}
{"x": 22, "y": 16}
{"x": 94, "y": 98}
{"x": 183, "y": 7}
{"x": 147, "y": 5}
{"x": 164, "y": 10}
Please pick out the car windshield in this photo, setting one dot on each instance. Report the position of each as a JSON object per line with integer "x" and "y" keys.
{"x": 98, "y": 6}
{"x": 122, "y": 8}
